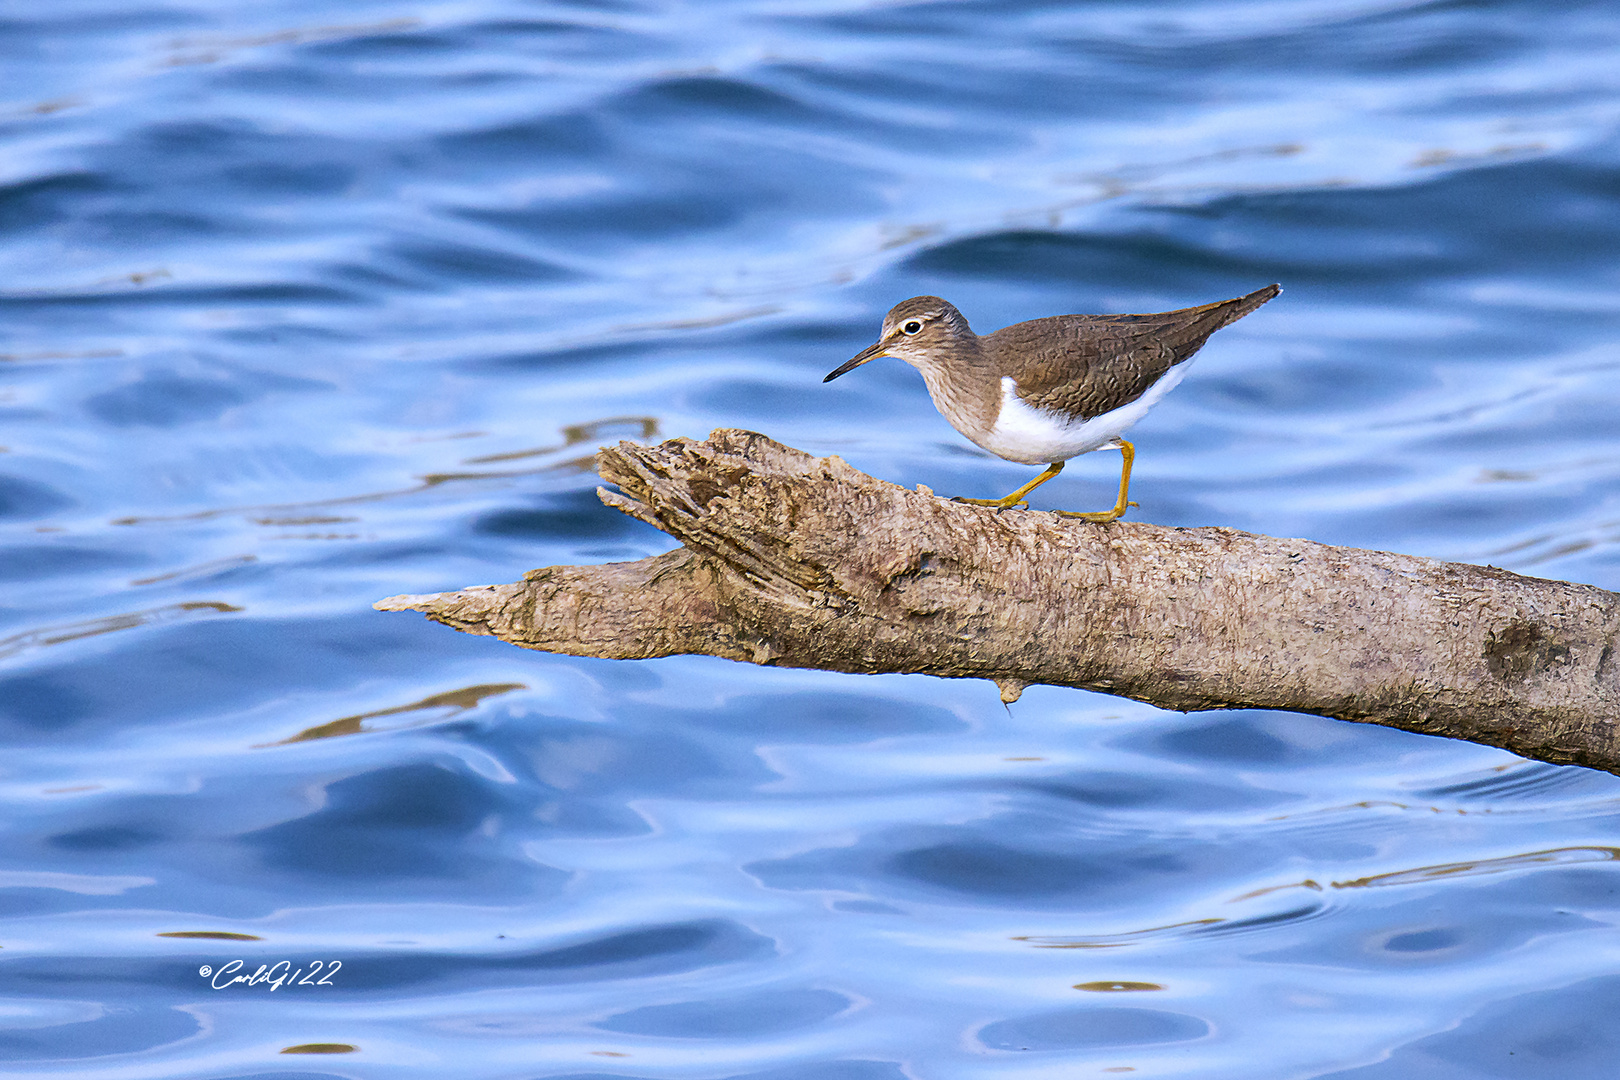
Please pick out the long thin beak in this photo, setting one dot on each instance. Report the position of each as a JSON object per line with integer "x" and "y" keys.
{"x": 871, "y": 352}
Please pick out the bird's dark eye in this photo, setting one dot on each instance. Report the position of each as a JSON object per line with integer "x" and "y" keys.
{"x": 912, "y": 327}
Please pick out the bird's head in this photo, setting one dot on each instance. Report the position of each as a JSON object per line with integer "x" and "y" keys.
{"x": 921, "y": 331}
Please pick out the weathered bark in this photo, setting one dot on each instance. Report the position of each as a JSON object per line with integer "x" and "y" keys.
{"x": 806, "y": 562}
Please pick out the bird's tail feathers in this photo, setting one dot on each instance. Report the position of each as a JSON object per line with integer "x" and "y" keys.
{"x": 1226, "y": 312}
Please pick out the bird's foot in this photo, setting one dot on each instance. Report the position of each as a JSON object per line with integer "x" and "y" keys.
{"x": 1096, "y": 515}
{"x": 997, "y": 504}
{"x": 1015, "y": 500}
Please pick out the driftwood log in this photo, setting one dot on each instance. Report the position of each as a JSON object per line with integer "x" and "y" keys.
{"x": 801, "y": 561}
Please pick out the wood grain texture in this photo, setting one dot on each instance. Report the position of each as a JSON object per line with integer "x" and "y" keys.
{"x": 800, "y": 561}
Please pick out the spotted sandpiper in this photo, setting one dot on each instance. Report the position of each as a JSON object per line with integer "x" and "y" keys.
{"x": 1046, "y": 390}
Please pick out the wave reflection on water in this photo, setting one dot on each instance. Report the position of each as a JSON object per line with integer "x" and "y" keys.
{"x": 305, "y": 306}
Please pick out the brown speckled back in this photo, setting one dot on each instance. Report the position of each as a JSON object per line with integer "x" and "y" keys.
{"x": 1086, "y": 365}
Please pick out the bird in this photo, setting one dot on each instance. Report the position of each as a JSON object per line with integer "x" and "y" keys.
{"x": 1047, "y": 390}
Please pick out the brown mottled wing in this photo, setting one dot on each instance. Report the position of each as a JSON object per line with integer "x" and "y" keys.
{"x": 1087, "y": 365}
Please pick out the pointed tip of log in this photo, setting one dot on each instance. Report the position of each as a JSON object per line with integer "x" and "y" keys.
{"x": 406, "y": 602}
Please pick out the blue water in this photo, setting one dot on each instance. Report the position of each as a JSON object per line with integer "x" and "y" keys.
{"x": 303, "y": 304}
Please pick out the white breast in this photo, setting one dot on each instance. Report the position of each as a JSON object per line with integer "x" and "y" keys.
{"x": 1037, "y": 437}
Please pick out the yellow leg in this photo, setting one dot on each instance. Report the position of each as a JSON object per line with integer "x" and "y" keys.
{"x": 1127, "y": 453}
{"x": 1017, "y": 497}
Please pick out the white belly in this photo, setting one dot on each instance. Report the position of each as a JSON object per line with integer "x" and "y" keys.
{"x": 1036, "y": 437}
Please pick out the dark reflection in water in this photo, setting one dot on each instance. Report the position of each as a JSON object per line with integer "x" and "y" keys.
{"x": 742, "y": 1017}
{"x": 122, "y": 1030}
{"x": 1075, "y": 1029}
{"x": 22, "y": 499}
{"x": 1423, "y": 875}
{"x": 416, "y": 822}
{"x": 1531, "y": 1035}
